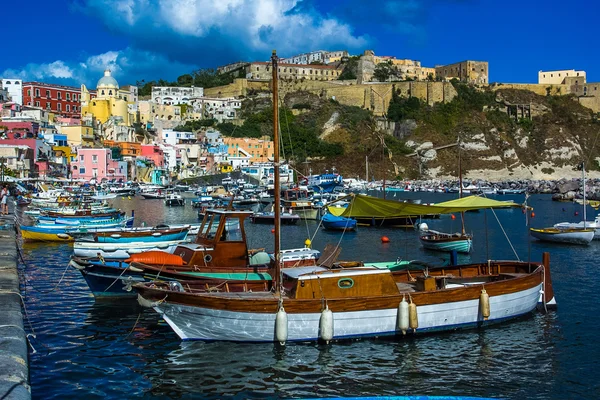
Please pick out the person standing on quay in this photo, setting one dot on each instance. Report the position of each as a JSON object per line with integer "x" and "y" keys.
{"x": 4, "y": 200}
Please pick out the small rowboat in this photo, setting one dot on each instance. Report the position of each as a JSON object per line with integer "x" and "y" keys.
{"x": 569, "y": 236}
{"x": 441, "y": 241}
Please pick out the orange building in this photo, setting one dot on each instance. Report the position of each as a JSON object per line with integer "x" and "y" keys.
{"x": 259, "y": 150}
{"x": 128, "y": 149}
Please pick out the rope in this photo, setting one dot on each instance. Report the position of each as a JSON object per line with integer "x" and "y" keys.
{"x": 342, "y": 235}
{"x": 505, "y": 235}
{"x": 39, "y": 290}
{"x": 118, "y": 277}
{"x": 134, "y": 325}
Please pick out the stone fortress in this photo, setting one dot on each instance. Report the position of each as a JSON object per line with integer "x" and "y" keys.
{"x": 430, "y": 84}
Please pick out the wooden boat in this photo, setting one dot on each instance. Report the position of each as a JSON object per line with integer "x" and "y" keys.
{"x": 122, "y": 251}
{"x": 336, "y": 223}
{"x": 559, "y": 235}
{"x": 66, "y": 233}
{"x": 358, "y": 303}
{"x": 317, "y": 303}
{"x": 440, "y": 241}
{"x": 147, "y": 235}
{"x": 269, "y": 218}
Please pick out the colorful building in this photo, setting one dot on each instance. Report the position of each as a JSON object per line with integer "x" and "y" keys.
{"x": 153, "y": 153}
{"x": 92, "y": 163}
{"x": 128, "y": 149}
{"x": 110, "y": 102}
{"x": 58, "y": 99}
{"x": 259, "y": 150}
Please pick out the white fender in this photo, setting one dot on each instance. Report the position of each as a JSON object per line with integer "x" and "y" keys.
{"x": 281, "y": 326}
{"x": 403, "y": 319}
{"x": 326, "y": 325}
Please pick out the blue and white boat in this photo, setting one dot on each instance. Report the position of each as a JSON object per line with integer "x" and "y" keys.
{"x": 326, "y": 182}
{"x": 145, "y": 236}
{"x": 332, "y": 222}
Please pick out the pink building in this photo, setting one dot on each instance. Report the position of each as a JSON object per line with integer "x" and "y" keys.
{"x": 154, "y": 153}
{"x": 41, "y": 151}
{"x": 21, "y": 127}
{"x": 97, "y": 163}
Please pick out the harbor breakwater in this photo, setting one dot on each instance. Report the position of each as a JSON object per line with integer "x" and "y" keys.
{"x": 14, "y": 362}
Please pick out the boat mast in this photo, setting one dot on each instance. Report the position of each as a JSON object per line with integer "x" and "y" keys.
{"x": 460, "y": 188}
{"x": 584, "y": 206}
{"x": 276, "y": 182}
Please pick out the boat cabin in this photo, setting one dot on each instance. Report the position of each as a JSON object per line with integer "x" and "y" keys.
{"x": 221, "y": 237}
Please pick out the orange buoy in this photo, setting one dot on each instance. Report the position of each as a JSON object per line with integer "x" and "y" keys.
{"x": 453, "y": 216}
{"x": 273, "y": 230}
{"x": 532, "y": 214}
{"x": 385, "y": 239}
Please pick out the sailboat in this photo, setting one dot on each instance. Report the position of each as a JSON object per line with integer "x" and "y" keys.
{"x": 440, "y": 241}
{"x": 317, "y": 302}
{"x": 582, "y": 233}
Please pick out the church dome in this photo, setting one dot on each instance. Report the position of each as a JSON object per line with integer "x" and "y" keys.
{"x": 107, "y": 81}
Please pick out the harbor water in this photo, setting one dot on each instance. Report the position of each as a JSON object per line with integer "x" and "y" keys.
{"x": 117, "y": 350}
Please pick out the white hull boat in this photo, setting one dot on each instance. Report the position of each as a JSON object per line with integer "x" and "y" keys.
{"x": 568, "y": 236}
{"x": 122, "y": 250}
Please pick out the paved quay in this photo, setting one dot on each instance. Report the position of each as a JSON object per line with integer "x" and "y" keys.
{"x": 14, "y": 363}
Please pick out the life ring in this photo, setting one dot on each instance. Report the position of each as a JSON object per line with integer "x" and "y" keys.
{"x": 207, "y": 258}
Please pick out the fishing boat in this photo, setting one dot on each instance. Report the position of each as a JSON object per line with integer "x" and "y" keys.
{"x": 448, "y": 242}
{"x": 174, "y": 200}
{"x": 138, "y": 235}
{"x": 567, "y": 233}
{"x": 595, "y": 224}
{"x": 122, "y": 251}
{"x": 153, "y": 195}
{"x": 337, "y": 223}
{"x": 269, "y": 218}
{"x": 440, "y": 241}
{"x": 324, "y": 183}
{"x": 219, "y": 256}
{"x": 313, "y": 303}
{"x": 67, "y": 233}
{"x": 581, "y": 236}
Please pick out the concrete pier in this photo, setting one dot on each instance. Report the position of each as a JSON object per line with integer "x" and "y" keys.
{"x": 14, "y": 364}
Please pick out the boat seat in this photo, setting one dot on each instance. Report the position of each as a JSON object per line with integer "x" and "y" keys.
{"x": 405, "y": 287}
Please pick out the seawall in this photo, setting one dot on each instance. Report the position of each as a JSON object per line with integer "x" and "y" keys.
{"x": 14, "y": 363}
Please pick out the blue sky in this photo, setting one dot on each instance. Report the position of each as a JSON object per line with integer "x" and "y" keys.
{"x": 73, "y": 41}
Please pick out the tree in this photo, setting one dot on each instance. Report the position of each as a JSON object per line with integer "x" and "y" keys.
{"x": 385, "y": 71}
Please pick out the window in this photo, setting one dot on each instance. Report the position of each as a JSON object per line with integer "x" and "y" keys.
{"x": 68, "y": 96}
{"x": 82, "y": 158}
{"x": 102, "y": 92}
{"x": 110, "y": 92}
{"x": 48, "y": 105}
{"x": 59, "y": 95}
{"x": 48, "y": 93}
{"x": 29, "y": 93}
{"x": 94, "y": 172}
{"x": 82, "y": 170}
{"x": 59, "y": 107}
{"x": 37, "y": 103}
{"x": 8, "y": 82}
{"x": 37, "y": 92}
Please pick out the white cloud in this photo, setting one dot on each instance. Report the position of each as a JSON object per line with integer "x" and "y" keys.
{"x": 127, "y": 66}
{"x": 245, "y": 28}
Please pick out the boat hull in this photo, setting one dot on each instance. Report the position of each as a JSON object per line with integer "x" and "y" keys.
{"x": 581, "y": 237}
{"x": 331, "y": 222}
{"x": 195, "y": 323}
{"x": 460, "y": 246}
{"x": 116, "y": 251}
{"x": 36, "y": 235}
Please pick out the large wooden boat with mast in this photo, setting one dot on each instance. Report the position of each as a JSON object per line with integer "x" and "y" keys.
{"x": 319, "y": 303}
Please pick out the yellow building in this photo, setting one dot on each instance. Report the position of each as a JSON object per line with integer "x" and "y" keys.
{"x": 262, "y": 70}
{"x": 110, "y": 101}
{"x": 260, "y": 150}
{"x": 79, "y": 135}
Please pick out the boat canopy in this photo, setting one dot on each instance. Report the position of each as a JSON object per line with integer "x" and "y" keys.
{"x": 366, "y": 206}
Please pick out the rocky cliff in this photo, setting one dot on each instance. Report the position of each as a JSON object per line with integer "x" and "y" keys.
{"x": 502, "y": 134}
